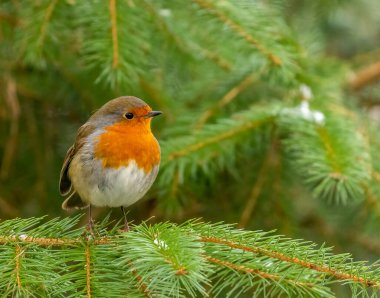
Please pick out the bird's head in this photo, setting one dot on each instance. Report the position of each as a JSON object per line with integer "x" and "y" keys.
{"x": 125, "y": 113}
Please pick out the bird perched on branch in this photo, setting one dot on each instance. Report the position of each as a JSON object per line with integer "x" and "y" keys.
{"x": 114, "y": 160}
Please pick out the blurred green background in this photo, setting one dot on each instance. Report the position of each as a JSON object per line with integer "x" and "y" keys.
{"x": 231, "y": 78}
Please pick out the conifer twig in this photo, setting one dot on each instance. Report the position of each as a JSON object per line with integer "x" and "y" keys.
{"x": 238, "y": 29}
{"x": 366, "y": 76}
{"x": 227, "y": 98}
{"x": 41, "y": 241}
{"x": 142, "y": 286}
{"x": 330, "y": 153}
{"x": 19, "y": 253}
{"x": 291, "y": 259}
{"x": 213, "y": 56}
{"x": 163, "y": 26}
{"x": 256, "y": 190}
{"x": 115, "y": 42}
{"x": 10, "y": 148}
{"x": 168, "y": 259}
{"x": 88, "y": 270}
{"x": 216, "y": 139}
{"x": 47, "y": 17}
{"x": 181, "y": 44}
{"x": 262, "y": 274}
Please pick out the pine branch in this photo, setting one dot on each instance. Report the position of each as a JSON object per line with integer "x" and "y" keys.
{"x": 17, "y": 269}
{"x": 365, "y": 76}
{"x": 227, "y": 98}
{"x": 208, "y": 150}
{"x": 168, "y": 260}
{"x": 326, "y": 269}
{"x": 188, "y": 48}
{"x": 232, "y": 71}
{"x": 115, "y": 46}
{"x": 118, "y": 60}
{"x": 88, "y": 270}
{"x": 239, "y": 30}
{"x": 35, "y": 41}
{"x": 218, "y": 133}
{"x": 256, "y": 190}
{"x": 47, "y": 17}
{"x": 332, "y": 157}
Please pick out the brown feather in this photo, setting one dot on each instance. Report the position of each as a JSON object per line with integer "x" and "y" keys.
{"x": 74, "y": 202}
{"x": 65, "y": 186}
{"x": 64, "y": 179}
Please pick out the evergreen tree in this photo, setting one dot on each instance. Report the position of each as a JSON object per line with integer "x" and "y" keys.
{"x": 271, "y": 121}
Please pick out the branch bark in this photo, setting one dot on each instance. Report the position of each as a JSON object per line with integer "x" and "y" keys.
{"x": 365, "y": 76}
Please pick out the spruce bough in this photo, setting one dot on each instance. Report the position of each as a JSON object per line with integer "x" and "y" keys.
{"x": 54, "y": 259}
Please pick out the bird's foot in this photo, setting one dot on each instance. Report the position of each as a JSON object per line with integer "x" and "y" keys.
{"x": 126, "y": 227}
{"x": 89, "y": 231}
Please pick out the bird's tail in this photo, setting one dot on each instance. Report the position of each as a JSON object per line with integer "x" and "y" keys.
{"x": 74, "y": 202}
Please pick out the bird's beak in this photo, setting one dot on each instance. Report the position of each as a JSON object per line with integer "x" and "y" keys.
{"x": 152, "y": 114}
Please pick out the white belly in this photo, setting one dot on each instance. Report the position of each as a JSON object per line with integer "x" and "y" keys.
{"x": 116, "y": 187}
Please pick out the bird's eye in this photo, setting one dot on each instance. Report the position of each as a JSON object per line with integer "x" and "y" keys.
{"x": 128, "y": 116}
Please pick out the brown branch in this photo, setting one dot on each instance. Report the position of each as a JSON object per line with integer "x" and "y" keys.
{"x": 180, "y": 270}
{"x": 68, "y": 242}
{"x": 216, "y": 139}
{"x": 48, "y": 14}
{"x": 256, "y": 190}
{"x": 294, "y": 260}
{"x": 142, "y": 285}
{"x": 365, "y": 76}
{"x": 115, "y": 42}
{"x": 88, "y": 270}
{"x": 330, "y": 153}
{"x": 10, "y": 148}
{"x": 227, "y": 98}
{"x": 49, "y": 241}
{"x": 242, "y": 268}
{"x": 19, "y": 253}
{"x": 238, "y": 29}
{"x": 262, "y": 274}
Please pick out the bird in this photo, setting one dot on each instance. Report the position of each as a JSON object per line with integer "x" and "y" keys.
{"x": 114, "y": 160}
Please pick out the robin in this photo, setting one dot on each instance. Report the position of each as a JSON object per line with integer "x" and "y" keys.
{"x": 114, "y": 160}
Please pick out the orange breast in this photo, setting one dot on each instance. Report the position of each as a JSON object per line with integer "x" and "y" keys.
{"x": 123, "y": 142}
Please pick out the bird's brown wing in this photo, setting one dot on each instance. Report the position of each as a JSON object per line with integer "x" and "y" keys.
{"x": 64, "y": 179}
{"x": 65, "y": 187}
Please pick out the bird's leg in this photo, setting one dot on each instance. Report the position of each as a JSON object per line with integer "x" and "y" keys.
{"x": 90, "y": 223}
{"x": 126, "y": 226}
